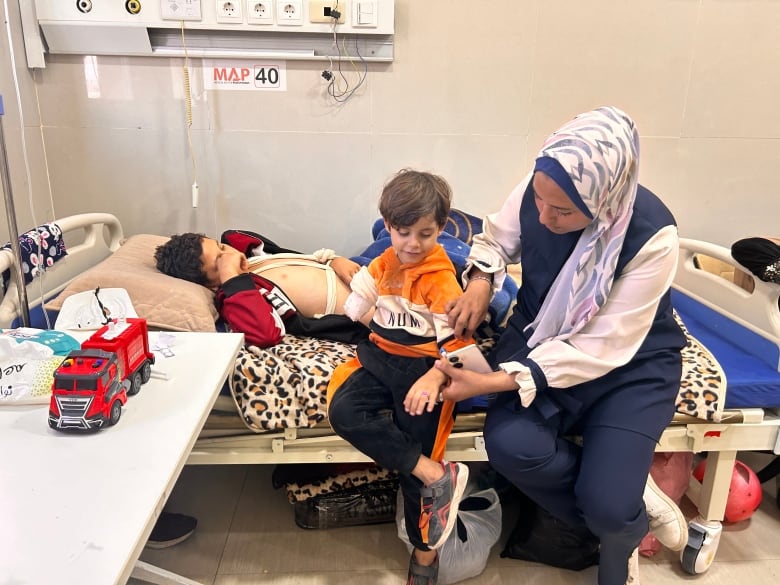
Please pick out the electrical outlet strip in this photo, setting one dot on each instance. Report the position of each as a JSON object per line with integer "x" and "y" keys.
{"x": 289, "y": 12}
{"x": 229, "y": 11}
{"x": 260, "y": 11}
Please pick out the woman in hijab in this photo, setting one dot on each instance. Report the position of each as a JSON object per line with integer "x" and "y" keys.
{"x": 592, "y": 347}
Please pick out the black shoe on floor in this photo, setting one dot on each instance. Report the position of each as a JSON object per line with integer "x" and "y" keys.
{"x": 171, "y": 529}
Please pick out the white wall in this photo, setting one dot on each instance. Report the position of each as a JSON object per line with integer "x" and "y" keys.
{"x": 468, "y": 97}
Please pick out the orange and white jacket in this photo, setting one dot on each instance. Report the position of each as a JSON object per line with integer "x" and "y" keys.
{"x": 410, "y": 317}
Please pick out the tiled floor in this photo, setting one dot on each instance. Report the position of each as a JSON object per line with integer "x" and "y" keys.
{"x": 247, "y": 535}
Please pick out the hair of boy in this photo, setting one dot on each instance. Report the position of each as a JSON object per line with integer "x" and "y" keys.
{"x": 411, "y": 194}
{"x": 180, "y": 257}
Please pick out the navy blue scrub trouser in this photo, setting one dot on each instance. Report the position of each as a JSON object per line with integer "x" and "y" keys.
{"x": 598, "y": 485}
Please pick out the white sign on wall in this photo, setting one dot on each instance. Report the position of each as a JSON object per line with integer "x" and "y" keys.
{"x": 245, "y": 75}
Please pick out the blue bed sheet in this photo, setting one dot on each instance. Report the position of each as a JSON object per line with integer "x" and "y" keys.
{"x": 749, "y": 361}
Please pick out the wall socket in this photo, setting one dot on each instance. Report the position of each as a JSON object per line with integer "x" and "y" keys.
{"x": 320, "y": 10}
{"x": 289, "y": 12}
{"x": 229, "y": 11}
{"x": 259, "y": 11}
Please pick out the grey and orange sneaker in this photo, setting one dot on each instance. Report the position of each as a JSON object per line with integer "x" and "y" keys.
{"x": 440, "y": 502}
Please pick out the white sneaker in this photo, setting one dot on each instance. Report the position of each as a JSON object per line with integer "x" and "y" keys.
{"x": 667, "y": 522}
{"x": 633, "y": 568}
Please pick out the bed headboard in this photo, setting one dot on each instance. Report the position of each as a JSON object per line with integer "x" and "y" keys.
{"x": 755, "y": 310}
{"x": 89, "y": 238}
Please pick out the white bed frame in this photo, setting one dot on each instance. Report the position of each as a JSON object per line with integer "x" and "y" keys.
{"x": 89, "y": 238}
{"x": 92, "y": 237}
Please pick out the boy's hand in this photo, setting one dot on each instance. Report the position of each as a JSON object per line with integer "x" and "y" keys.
{"x": 344, "y": 268}
{"x": 424, "y": 393}
{"x": 231, "y": 263}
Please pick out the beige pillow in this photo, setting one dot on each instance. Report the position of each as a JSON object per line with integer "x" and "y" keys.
{"x": 165, "y": 302}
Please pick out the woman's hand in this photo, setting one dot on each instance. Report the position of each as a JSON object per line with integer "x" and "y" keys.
{"x": 466, "y": 313}
{"x": 463, "y": 383}
{"x": 467, "y": 383}
{"x": 344, "y": 268}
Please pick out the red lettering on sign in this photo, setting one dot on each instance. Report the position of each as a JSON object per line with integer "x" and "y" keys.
{"x": 231, "y": 74}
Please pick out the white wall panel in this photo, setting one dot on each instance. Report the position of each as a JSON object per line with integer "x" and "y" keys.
{"x": 468, "y": 95}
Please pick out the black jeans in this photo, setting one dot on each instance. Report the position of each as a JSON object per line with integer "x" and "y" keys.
{"x": 367, "y": 410}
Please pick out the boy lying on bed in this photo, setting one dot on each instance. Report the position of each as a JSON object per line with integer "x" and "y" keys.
{"x": 298, "y": 294}
{"x": 311, "y": 304}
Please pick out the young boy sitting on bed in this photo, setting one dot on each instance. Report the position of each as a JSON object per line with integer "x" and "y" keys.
{"x": 409, "y": 285}
{"x": 298, "y": 294}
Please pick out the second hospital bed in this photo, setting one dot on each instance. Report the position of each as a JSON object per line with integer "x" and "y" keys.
{"x": 274, "y": 411}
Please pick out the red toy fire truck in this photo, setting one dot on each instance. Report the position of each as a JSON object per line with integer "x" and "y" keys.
{"x": 93, "y": 383}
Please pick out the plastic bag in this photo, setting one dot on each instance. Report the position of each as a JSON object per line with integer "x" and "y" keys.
{"x": 466, "y": 550}
{"x": 28, "y": 358}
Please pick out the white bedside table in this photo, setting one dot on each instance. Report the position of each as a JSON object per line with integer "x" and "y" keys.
{"x": 77, "y": 509}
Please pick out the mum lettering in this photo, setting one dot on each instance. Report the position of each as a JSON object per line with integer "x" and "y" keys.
{"x": 403, "y": 320}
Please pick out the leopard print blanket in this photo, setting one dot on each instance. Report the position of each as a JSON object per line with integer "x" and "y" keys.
{"x": 702, "y": 391}
{"x": 299, "y": 492}
{"x": 284, "y": 386}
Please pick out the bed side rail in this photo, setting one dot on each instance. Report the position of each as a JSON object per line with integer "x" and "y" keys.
{"x": 89, "y": 238}
{"x": 757, "y": 310}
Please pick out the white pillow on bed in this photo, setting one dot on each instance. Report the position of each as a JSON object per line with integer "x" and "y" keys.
{"x": 165, "y": 302}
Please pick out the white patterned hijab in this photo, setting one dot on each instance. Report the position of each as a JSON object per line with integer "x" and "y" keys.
{"x": 599, "y": 151}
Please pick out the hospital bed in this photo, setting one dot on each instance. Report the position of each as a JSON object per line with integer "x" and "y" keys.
{"x": 274, "y": 409}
